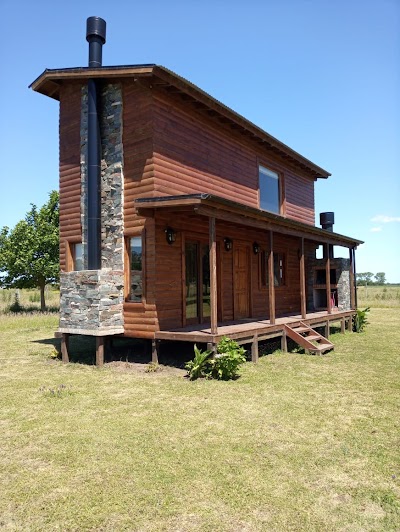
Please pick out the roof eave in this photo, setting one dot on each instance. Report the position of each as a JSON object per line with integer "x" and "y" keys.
{"x": 49, "y": 82}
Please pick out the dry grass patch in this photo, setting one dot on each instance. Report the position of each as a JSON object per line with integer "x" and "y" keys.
{"x": 297, "y": 443}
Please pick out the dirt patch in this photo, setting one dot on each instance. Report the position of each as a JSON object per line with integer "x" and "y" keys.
{"x": 146, "y": 369}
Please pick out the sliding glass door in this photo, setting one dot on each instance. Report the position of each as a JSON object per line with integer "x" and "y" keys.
{"x": 197, "y": 275}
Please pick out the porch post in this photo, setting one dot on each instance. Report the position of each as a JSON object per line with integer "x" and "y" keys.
{"x": 65, "y": 348}
{"x": 328, "y": 280}
{"x": 99, "y": 350}
{"x": 302, "y": 281}
{"x": 351, "y": 273}
{"x": 271, "y": 284}
{"x": 213, "y": 276}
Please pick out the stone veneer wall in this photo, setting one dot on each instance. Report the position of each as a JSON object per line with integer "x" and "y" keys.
{"x": 91, "y": 302}
{"x": 342, "y": 267}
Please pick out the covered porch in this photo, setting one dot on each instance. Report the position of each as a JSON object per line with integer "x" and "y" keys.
{"x": 252, "y": 332}
{"x": 220, "y": 213}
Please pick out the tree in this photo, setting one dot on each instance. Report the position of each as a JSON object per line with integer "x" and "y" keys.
{"x": 380, "y": 278}
{"x": 364, "y": 278}
{"x": 29, "y": 253}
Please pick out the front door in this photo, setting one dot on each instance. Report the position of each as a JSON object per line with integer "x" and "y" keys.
{"x": 241, "y": 281}
{"x": 197, "y": 282}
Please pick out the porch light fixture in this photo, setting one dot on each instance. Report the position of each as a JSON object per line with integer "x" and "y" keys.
{"x": 228, "y": 244}
{"x": 170, "y": 235}
{"x": 256, "y": 248}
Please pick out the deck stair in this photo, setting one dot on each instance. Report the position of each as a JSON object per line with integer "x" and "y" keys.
{"x": 309, "y": 339}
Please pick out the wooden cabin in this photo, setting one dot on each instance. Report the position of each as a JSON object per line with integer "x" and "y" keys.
{"x": 207, "y": 221}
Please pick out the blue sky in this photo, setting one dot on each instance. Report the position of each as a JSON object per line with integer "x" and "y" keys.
{"x": 321, "y": 76}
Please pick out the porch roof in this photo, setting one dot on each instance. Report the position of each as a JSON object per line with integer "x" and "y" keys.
{"x": 220, "y": 208}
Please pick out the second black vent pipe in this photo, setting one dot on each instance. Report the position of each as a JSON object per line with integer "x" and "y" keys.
{"x": 96, "y": 37}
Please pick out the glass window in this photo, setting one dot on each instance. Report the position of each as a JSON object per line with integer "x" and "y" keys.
{"x": 269, "y": 190}
{"x": 76, "y": 251}
{"x": 136, "y": 268}
{"x": 279, "y": 269}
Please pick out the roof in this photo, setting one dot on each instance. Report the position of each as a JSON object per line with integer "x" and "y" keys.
{"x": 50, "y": 81}
{"x": 221, "y": 208}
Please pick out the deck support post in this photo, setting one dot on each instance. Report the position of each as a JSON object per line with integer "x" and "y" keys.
{"x": 351, "y": 273}
{"x": 342, "y": 325}
{"x": 99, "y": 350}
{"x": 302, "y": 281}
{"x": 213, "y": 276}
{"x": 327, "y": 330}
{"x": 65, "y": 348}
{"x": 284, "y": 341}
{"x": 211, "y": 347}
{"x": 350, "y": 324}
{"x": 328, "y": 280}
{"x": 254, "y": 349}
{"x": 271, "y": 283}
{"x": 154, "y": 351}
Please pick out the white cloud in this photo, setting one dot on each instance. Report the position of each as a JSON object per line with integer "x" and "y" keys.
{"x": 376, "y": 229}
{"x": 383, "y": 219}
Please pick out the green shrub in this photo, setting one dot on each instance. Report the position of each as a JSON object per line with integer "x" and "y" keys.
{"x": 223, "y": 366}
{"x": 230, "y": 355}
{"x": 199, "y": 366}
{"x": 16, "y": 306}
{"x": 360, "y": 320}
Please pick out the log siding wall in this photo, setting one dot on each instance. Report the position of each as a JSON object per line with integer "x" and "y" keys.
{"x": 192, "y": 154}
{"x": 70, "y": 171}
{"x": 170, "y": 149}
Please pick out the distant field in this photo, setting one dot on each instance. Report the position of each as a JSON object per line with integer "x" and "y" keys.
{"x": 378, "y": 296}
{"x": 297, "y": 443}
{"x": 29, "y": 299}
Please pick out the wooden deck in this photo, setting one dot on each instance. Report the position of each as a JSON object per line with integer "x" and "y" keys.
{"x": 251, "y": 330}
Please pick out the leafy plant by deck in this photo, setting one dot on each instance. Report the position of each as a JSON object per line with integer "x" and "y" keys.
{"x": 360, "y": 320}
{"x": 223, "y": 366}
{"x": 199, "y": 366}
{"x": 29, "y": 253}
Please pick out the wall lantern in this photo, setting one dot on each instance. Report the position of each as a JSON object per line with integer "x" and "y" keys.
{"x": 256, "y": 248}
{"x": 228, "y": 244}
{"x": 170, "y": 235}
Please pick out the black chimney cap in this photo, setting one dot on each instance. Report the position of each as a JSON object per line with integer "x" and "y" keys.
{"x": 327, "y": 218}
{"x": 96, "y": 26}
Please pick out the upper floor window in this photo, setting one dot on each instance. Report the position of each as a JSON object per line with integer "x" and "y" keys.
{"x": 269, "y": 190}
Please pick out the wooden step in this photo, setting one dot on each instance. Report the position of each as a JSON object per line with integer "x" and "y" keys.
{"x": 301, "y": 329}
{"x": 308, "y": 338}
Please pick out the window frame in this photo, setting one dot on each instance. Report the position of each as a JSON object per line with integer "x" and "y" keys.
{"x": 128, "y": 271}
{"x": 70, "y": 248}
{"x": 263, "y": 269}
{"x": 281, "y": 186}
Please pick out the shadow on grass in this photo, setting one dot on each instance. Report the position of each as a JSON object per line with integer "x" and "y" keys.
{"x": 15, "y": 310}
{"x": 82, "y": 350}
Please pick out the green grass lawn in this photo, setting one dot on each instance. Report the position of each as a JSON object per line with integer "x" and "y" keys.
{"x": 297, "y": 443}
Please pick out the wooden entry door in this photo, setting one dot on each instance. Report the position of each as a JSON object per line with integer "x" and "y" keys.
{"x": 241, "y": 282}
